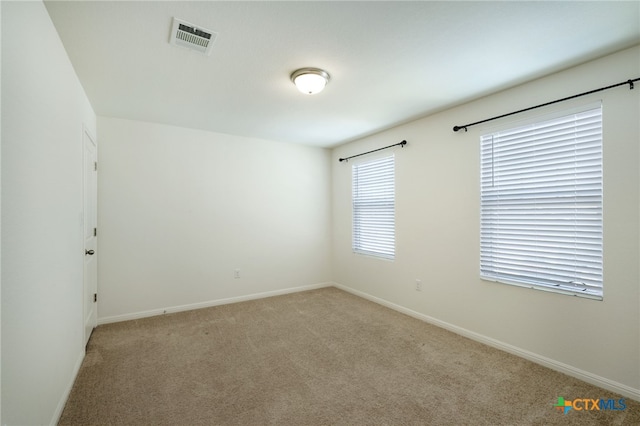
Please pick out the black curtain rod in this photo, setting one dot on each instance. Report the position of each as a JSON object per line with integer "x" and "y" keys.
{"x": 629, "y": 82}
{"x": 402, "y": 144}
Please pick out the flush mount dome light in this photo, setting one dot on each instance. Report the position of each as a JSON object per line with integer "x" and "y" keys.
{"x": 310, "y": 80}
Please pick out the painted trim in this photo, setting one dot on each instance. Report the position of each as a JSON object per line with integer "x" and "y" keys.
{"x": 585, "y": 376}
{"x": 210, "y": 303}
{"x": 67, "y": 391}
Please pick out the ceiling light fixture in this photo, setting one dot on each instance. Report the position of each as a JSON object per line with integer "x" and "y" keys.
{"x": 310, "y": 80}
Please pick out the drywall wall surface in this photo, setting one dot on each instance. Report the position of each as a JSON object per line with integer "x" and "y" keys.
{"x": 43, "y": 112}
{"x": 0, "y": 216}
{"x": 438, "y": 227}
{"x": 188, "y": 217}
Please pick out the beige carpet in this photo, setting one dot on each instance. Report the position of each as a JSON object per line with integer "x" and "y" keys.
{"x": 322, "y": 357}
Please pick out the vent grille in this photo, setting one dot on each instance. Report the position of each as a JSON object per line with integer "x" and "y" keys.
{"x": 192, "y": 37}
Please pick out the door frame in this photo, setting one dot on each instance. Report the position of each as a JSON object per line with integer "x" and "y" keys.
{"x": 89, "y": 303}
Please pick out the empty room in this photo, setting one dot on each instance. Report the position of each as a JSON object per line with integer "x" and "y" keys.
{"x": 320, "y": 212}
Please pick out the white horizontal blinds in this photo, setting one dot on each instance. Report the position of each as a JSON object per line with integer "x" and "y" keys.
{"x": 541, "y": 205}
{"x": 374, "y": 207}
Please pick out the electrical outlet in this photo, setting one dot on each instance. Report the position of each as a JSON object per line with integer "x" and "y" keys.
{"x": 236, "y": 273}
{"x": 418, "y": 285}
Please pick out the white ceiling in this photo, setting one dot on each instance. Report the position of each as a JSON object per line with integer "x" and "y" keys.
{"x": 390, "y": 62}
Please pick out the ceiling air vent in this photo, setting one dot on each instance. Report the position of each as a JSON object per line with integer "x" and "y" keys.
{"x": 195, "y": 38}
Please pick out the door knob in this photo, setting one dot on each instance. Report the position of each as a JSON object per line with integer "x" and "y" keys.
{"x": 89, "y": 252}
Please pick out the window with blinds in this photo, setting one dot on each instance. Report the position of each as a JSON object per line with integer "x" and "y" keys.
{"x": 541, "y": 205}
{"x": 374, "y": 208}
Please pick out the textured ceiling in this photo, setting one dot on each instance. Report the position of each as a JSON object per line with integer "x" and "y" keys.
{"x": 389, "y": 62}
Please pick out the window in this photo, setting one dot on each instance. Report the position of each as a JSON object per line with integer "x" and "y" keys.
{"x": 374, "y": 208}
{"x": 541, "y": 205}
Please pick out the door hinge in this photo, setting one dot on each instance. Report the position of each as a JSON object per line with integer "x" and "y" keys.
{"x": 95, "y": 232}
{"x": 95, "y": 166}
{"x": 95, "y": 297}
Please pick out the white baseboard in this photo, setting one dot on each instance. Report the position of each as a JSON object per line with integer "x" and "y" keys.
{"x": 209, "y": 303}
{"x": 65, "y": 396}
{"x": 594, "y": 379}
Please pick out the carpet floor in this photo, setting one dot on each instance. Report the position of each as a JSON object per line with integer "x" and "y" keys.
{"x": 320, "y": 357}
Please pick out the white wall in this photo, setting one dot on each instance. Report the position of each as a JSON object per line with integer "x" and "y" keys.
{"x": 0, "y": 217}
{"x": 438, "y": 232}
{"x": 43, "y": 112}
{"x": 181, "y": 209}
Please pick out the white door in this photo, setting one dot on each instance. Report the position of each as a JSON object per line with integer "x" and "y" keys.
{"x": 90, "y": 235}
